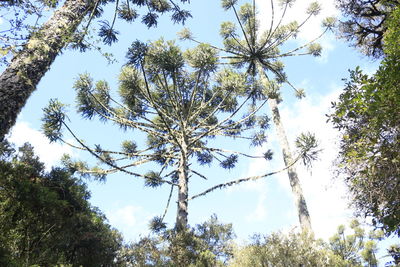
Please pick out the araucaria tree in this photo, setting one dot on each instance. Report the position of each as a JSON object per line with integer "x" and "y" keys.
{"x": 181, "y": 101}
{"x": 257, "y": 52}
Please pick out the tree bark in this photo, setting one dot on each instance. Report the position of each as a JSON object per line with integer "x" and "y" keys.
{"x": 300, "y": 202}
{"x": 183, "y": 193}
{"x": 28, "y": 66}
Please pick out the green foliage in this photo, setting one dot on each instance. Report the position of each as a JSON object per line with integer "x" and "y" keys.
{"x": 178, "y": 100}
{"x": 357, "y": 249}
{"x": 210, "y": 244}
{"x": 314, "y": 8}
{"x": 315, "y": 49}
{"x": 19, "y": 15}
{"x": 261, "y": 50}
{"x": 127, "y": 13}
{"x": 283, "y": 250}
{"x": 229, "y": 162}
{"x": 206, "y": 244}
{"x": 307, "y": 144}
{"x": 53, "y": 120}
{"x": 153, "y": 179}
{"x": 227, "y": 4}
{"x": 394, "y": 251}
{"x": 129, "y": 147}
{"x": 302, "y": 249}
{"x": 107, "y": 33}
{"x": 367, "y": 115}
{"x": 202, "y": 57}
{"x": 364, "y": 23}
{"x": 46, "y": 218}
{"x": 392, "y": 35}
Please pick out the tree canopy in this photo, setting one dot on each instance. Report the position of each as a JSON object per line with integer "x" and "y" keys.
{"x": 367, "y": 114}
{"x": 364, "y": 23}
{"x": 46, "y": 218}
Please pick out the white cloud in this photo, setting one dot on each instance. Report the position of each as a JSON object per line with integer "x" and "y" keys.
{"x": 260, "y": 212}
{"x": 131, "y": 220}
{"x": 310, "y": 30}
{"x": 49, "y": 153}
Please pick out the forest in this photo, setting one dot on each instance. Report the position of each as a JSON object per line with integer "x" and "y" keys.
{"x": 199, "y": 133}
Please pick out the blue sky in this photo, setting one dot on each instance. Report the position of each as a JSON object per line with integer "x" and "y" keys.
{"x": 257, "y": 207}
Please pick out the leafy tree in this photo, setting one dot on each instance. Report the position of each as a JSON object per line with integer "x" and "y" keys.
{"x": 46, "y": 218}
{"x": 302, "y": 249}
{"x": 206, "y": 244}
{"x": 367, "y": 114}
{"x": 357, "y": 249}
{"x": 179, "y": 109}
{"x": 257, "y": 51}
{"x": 364, "y": 23}
{"x": 278, "y": 249}
{"x": 45, "y": 43}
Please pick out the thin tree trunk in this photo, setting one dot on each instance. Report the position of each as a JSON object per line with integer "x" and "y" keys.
{"x": 300, "y": 202}
{"x": 183, "y": 193}
{"x": 21, "y": 77}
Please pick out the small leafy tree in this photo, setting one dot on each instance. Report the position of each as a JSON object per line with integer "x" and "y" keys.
{"x": 180, "y": 102}
{"x": 357, "y": 249}
{"x": 207, "y": 244}
{"x": 302, "y": 249}
{"x": 258, "y": 52}
{"x": 278, "y": 249}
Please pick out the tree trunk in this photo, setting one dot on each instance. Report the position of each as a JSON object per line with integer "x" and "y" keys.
{"x": 21, "y": 77}
{"x": 183, "y": 193}
{"x": 300, "y": 202}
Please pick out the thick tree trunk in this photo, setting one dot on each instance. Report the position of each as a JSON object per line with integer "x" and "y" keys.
{"x": 183, "y": 193}
{"x": 300, "y": 202}
{"x": 20, "y": 79}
